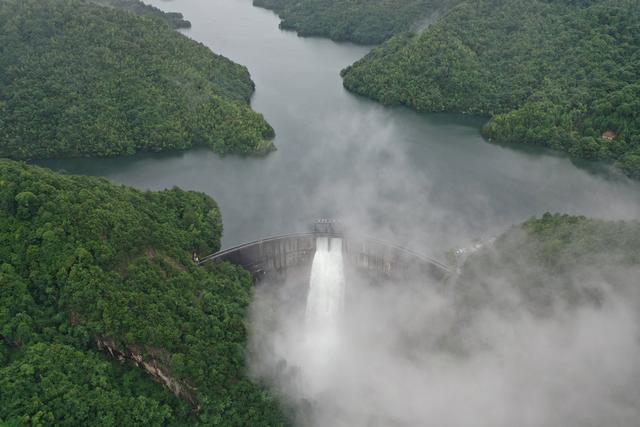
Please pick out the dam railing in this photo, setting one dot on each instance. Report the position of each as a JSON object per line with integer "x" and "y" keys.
{"x": 278, "y": 253}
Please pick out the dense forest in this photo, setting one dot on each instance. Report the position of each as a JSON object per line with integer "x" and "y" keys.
{"x": 77, "y": 79}
{"x": 98, "y": 295}
{"x": 175, "y": 19}
{"x": 561, "y": 74}
{"x": 365, "y": 22}
{"x": 555, "y": 262}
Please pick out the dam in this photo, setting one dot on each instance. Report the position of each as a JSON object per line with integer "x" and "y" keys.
{"x": 276, "y": 255}
{"x": 312, "y": 290}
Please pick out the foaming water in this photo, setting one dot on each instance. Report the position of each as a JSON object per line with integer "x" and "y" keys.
{"x": 325, "y": 302}
{"x": 323, "y": 314}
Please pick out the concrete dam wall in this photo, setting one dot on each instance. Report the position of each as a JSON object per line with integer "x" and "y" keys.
{"x": 276, "y": 255}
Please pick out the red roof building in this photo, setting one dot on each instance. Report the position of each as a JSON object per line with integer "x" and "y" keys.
{"x": 608, "y": 135}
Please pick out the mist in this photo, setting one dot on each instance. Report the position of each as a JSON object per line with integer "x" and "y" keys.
{"x": 422, "y": 353}
{"x": 428, "y": 182}
{"x": 478, "y": 351}
{"x": 494, "y": 344}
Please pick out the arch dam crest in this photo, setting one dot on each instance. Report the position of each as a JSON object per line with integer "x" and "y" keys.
{"x": 276, "y": 255}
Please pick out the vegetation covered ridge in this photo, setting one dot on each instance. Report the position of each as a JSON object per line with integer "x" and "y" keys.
{"x": 99, "y": 296}
{"x": 364, "y": 22}
{"x": 560, "y": 74}
{"x": 78, "y": 79}
{"x": 175, "y": 19}
{"x": 555, "y": 262}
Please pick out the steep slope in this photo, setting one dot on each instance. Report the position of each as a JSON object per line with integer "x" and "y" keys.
{"x": 77, "y": 79}
{"x": 175, "y": 19}
{"x": 56, "y": 384}
{"x": 555, "y": 262}
{"x": 561, "y": 74}
{"x": 92, "y": 273}
{"x": 365, "y": 22}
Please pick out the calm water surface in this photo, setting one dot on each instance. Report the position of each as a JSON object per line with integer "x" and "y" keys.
{"x": 426, "y": 181}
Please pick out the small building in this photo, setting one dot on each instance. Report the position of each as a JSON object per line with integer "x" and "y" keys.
{"x": 327, "y": 226}
{"x": 608, "y": 135}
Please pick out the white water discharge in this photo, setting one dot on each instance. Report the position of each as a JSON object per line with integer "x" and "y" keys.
{"x": 325, "y": 301}
{"x": 325, "y": 305}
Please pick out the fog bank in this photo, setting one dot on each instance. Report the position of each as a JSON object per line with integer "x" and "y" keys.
{"x": 419, "y": 354}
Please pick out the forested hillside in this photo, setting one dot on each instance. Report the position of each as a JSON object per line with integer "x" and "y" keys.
{"x": 555, "y": 262}
{"x": 365, "y": 22}
{"x": 96, "y": 279}
{"x": 562, "y": 74}
{"x": 175, "y": 19}
{"x": 77, "y": 79}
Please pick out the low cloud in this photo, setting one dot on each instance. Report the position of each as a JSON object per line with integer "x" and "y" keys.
{"x": 420, "y": 354}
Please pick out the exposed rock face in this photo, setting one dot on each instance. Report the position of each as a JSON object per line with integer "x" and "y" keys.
{"x": 153, "y": 367}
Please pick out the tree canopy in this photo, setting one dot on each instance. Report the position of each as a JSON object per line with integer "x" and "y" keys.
{"x": 561, "y": 74}
{"x": 175, "y": 19}
{"x": 78, "y": 79}
{"x": 554, "y": 262}
{"x": 84, "y": 262}
{"x": 56, "y": 384}
{"x": 366, "y": 22}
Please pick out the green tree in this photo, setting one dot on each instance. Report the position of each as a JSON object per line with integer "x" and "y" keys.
{"x": 558, "y": 74}
{"x": 27, "y": 204}
{"x": 98, "y": 269}
{"x": 80, "y": 79}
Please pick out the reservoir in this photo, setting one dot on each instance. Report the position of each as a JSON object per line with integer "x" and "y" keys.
{"x": 429, "y": 182}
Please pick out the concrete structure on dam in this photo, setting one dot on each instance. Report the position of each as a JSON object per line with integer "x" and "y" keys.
{"x": 276, "y": 255}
